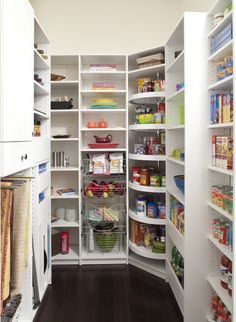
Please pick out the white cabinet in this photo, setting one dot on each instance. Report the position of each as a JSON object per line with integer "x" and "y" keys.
{"x": 15, "y": 157}
{"x": 16, "y": 94}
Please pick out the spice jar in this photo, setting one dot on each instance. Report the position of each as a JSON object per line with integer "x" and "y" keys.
{"x": 136, "y": 175}
{"x": 145, "y": 177}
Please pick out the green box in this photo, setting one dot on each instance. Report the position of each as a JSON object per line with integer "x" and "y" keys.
{"x": 181, "y": 114}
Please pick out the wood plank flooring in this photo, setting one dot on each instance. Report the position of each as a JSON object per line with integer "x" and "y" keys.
{"x": 107, "y": 294}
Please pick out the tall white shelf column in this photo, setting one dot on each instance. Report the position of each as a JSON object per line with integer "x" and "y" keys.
{"x": 219, "y": 176}
{"x": 117, "y": 127}
{"x": 188, "y": 67}
{"x": 66, "y": 121}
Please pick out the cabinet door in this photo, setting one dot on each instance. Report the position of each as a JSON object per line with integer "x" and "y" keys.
{"x": 17, "y": 68}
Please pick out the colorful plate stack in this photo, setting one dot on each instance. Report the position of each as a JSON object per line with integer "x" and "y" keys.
{"x": 107, "y": 86}
{"x": 104, "y": 103}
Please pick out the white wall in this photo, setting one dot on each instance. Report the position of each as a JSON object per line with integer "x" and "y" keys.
{"x": 110, "y": 26}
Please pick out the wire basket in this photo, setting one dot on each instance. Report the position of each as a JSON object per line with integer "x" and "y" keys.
{"x": 104, "y": 189}
{"x": 97, "y": 213}
{"x": 105, "y": 239}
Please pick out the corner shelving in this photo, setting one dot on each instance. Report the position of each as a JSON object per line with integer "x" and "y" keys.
{"x": 137, "y": 187}
{"x": 146, "y": 220}
{"x": 144, "y": 157}
{"x": 146, "y": 98}
{"x": 145, "y": 252}
{"x": 141, "y": 256}
{"x": 66, "y": 122}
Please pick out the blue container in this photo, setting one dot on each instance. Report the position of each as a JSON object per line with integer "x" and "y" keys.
{"x": 179, "y": 181}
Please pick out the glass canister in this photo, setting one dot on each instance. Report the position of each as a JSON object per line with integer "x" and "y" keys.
{"x": 145, "y": 177}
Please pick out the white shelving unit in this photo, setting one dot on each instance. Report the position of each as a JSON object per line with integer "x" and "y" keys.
{"x": 40, "y": 171}
{"x": 215, "y": 175}
{"x": 92, "y": 252}
{"x": 140, "y": 256}
{"x": 66, "y": 122}
{"x": 186, "y": 110}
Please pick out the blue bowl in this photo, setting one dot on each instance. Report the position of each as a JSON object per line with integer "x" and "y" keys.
{"x": 179, "y": 181}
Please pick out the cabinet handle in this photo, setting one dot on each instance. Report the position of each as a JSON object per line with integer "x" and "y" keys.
{"x": 24, "y": 157}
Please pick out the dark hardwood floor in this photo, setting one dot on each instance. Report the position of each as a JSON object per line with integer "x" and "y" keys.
{"x": 107, "y": 294}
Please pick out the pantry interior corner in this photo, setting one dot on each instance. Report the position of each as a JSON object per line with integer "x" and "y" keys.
{"x": 114, "y": 161}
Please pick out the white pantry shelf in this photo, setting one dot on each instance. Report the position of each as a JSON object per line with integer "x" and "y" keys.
{"x": 148, "y": 264}
{"x": 224, "y": 84}
{"x": 65, "y": 84}
{"x": 64, "y": 223}
{"x": 222, "y": 52}
{"x": 222, "y": 248}
{"x": 39, "y": 62}
{"x": 145, "y": 219}
{"x": 175, "y": 285}
{"x": 177, "y": 65}
{"x": 98, "y": 72}
{"x": 220, "y": 211}
{"x": 41, "y": 115}
{"x": 99, "y": 150}
{"x": 87, "y": 129}
{"x": 222, "y": 293}
{"x": 64, "y": 140}
{"x": 147, "y": 127}
{"x": 145, "y": 252}
{"x": 175, "y": 160}
{"x": 220, "y": 25}
{"x": 65, "y": 111}
{"x": 176, "y": 193}
{"x": 221, "y": 170}
{"x": 73, "y": 254}
{"x": 146, "y": 72}
{"x": 176, "y": 237}
{"x": 89, "y": 92}
{"x": 177, "y": 96}
{"x": 60, "y": 169}
{"x": 99, "y": 255}
{"x": 176, "y": 127}
{"x": 39, "y": 89}
{"x": 221, "y": 125}
{"x": 138, "y": 187}
{"x": 147, "y": 98}
{"x": 57, "y": 196}
{"x": 144, "y": 157}
{"x": 114, "y": 110}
